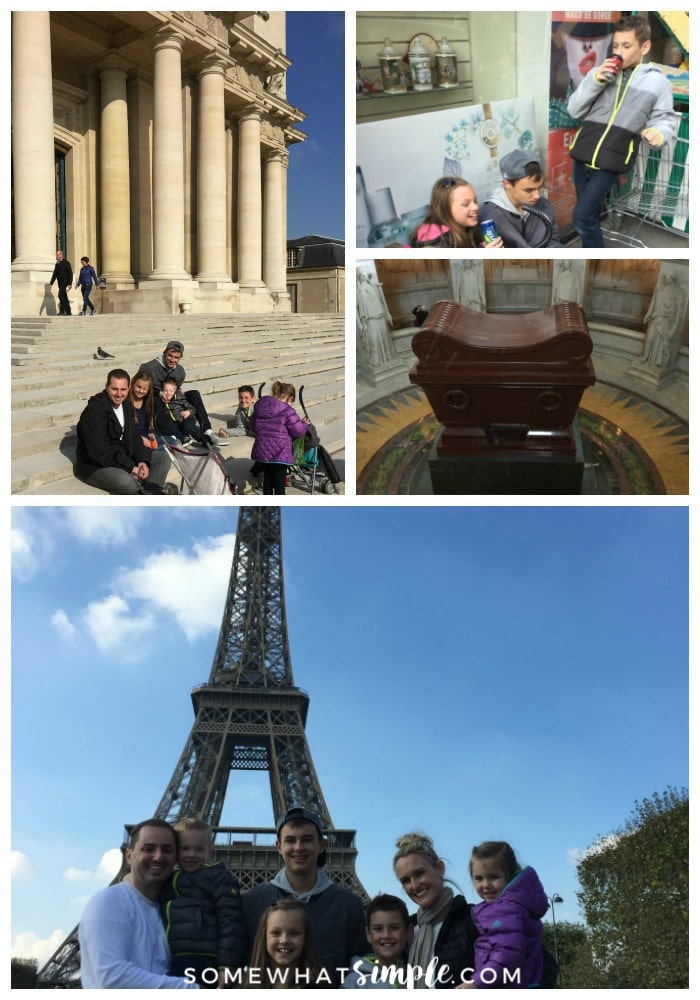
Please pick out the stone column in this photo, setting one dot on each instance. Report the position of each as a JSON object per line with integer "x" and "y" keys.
{"x": 115, "y": 200}
{"x": 168, "y": 193}
{"x": 274, "y": 244}
{"x": 211, "y": 174}
{"x": 249, "y": 202}
{"x": 33, "y": 143}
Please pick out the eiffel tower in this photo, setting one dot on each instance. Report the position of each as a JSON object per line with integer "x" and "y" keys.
{"x": 249, "y": 716}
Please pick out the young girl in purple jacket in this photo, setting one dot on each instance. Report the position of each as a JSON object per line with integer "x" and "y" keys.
{"x": 508, "y": 950}
{"x": 275, "y": 424}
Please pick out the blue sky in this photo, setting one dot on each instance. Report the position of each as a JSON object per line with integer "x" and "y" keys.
{"x": 316, "y": 85}
{"x": 477, "y": 673}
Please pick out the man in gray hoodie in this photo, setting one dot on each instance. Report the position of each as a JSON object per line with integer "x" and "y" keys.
{"x": 335, "y": 914}
{"x": 523, "y": 218}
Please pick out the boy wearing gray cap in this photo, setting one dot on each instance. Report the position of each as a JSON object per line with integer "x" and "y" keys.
{"x": 522, "y": 217}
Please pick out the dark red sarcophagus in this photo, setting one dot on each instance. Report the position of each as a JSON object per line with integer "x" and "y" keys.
{"x": 504, "y": 383}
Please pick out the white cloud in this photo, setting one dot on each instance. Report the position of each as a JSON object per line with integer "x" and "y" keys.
{"x": 109, "y": 865}
{"x": 601, "y": 845}
{"x": 28, "y": 945}
{"x": 63, "y": 625}
{"x": 113, "y": 626}
{"x": 19, "y": 864}
{"x": 24, "y": 557}
{"x": 189, "y": 587}
{"x": 99, "y": 525}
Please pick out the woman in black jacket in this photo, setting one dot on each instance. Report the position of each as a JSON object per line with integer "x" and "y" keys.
{"x": 448, "y": 959}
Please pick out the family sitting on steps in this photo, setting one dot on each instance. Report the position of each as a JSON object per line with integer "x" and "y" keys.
{"x": 122, "y": 429}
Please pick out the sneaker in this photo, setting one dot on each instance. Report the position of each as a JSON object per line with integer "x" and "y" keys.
{"x": 81, "y": 313}
{"x": 94, "y": 312}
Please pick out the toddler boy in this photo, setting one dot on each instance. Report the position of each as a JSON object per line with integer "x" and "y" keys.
{"x": 620, "y": 103}
{"x": 201, "y": 910}
{"x": 388, "y": 932}
{"x": 173, "y": 417}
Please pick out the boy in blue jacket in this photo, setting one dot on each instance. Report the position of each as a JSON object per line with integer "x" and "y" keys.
{"x": 621, "y": 103}
{"x": 86, "y": 278}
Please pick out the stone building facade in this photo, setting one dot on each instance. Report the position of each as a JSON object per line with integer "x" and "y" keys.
{"x": 156, "y": 144}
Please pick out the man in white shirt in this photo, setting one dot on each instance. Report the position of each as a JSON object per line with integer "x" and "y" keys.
{"x": 121, "y": 934}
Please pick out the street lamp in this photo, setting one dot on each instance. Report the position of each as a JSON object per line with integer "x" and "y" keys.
{"x": 556, "y": 898}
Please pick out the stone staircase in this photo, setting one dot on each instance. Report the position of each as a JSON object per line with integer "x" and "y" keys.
{"x": 54, "y": 373}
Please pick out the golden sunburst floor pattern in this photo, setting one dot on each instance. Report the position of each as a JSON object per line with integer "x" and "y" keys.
{"x": 631, "y": 445}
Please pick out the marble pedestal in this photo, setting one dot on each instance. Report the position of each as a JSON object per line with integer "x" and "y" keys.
{"x": 508, "y": 474}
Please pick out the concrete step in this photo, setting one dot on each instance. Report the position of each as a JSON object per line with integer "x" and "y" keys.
{"x": 52, "y": 472}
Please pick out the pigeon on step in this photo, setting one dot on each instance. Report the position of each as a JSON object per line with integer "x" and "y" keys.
{"x": 102, "y": 354}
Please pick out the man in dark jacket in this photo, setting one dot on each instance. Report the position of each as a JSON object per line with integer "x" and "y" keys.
{"x": 168, "y": 365}
{"x": 335, "y": 914}
{"x": 111, "y": 455}
{"x": 523, "y": 218}
{"x": 63, "y": 274}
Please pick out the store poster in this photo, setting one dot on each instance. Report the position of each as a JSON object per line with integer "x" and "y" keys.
{"x": 399, "y": 160}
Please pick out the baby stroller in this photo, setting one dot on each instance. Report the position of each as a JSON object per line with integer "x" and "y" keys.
{"x": 201, "y": 469}
{"x": 313, "y": 466}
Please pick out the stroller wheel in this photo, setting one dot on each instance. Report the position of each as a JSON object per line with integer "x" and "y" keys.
{"x": 328, "y": 487}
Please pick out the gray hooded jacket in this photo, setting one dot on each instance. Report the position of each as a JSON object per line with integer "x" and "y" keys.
{"x": 526, "y": 229}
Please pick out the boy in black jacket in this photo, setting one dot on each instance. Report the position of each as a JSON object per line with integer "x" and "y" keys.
{"x": 620, "y": 103}
{"x": 201, "y": 909}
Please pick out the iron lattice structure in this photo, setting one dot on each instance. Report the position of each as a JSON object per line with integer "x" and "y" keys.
{"x": 248, "y": 716}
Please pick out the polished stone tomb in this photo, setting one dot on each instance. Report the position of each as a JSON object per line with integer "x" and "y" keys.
{"x": 506, "y": 389}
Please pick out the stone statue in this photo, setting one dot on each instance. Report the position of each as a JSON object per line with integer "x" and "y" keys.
{"x": 373, "y": 320}
{"x": 469, "y": 284}
{"x": 664, "y": 321}
{"x": 568, "y": 281}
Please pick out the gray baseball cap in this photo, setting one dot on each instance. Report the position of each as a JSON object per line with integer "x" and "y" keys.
{"x": 513, "y": 164}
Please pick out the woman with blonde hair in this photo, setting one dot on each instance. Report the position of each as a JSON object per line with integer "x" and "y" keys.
{"x": 445, "y": 933}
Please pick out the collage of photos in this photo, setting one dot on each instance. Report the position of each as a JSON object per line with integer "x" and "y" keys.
{"x": 326, "y": 670}
{"x": 563, "y": 371}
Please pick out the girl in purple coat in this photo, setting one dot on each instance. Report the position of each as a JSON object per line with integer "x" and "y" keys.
{"x": 508, "y": 950}
{"x": 275, "y": 424}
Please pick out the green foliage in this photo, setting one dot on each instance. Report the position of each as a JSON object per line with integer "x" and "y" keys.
{"x": 23, "y": 973}
{"x": 571, "y": 946}
{"x": 635, "y": 896}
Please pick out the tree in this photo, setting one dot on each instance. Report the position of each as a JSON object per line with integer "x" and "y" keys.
{"x": 23, "y": 973}
{"x": 635, "y": 896}
{"x": 577, "y": 968}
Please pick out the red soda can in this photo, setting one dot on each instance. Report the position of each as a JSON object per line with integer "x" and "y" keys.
{"x": 613, "y": 73}
{"x": 488, "y": 228}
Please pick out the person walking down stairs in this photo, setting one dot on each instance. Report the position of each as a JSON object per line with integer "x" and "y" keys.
{"x": 85, "y": 279}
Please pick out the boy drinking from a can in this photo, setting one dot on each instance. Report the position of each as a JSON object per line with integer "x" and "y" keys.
{"x": 621, "y": 102}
